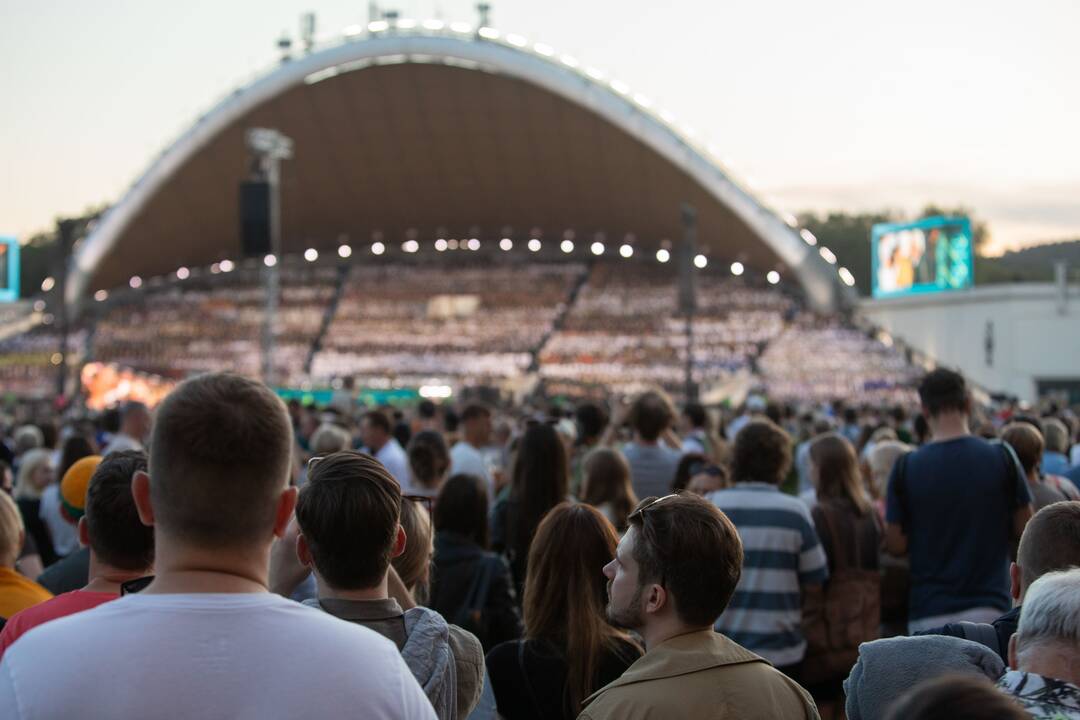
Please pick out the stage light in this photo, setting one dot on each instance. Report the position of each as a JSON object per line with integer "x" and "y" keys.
{"x": 545, "y": 50}
{"x": 461, "y": 27}
{"x": 737, "y": 269}
{"x": 488, "y": 33}
{"x": 663, "y": 255}
{"x": 626, "y": 251}
{"x": 48, "y": 284}
{"x": 311, "y": 254}
{"x": 182, "y": 273}
{"x": 506, "y": 244}
{"x": 453, "y": 244}
{"x": 344, "y": 251}
{"x": 700, "y": 261}
{"x": 808, "y": 237}
{"x": 441, "y": 245}
{"x": 667, "y": 117}
{"x": 227, "y": 266}
{"x": 829, "y": 255}
{"x": 406, "y": 24}
{"x": 215, "y": 268}
{"x": 435, "y": 391}
{"x": 773, "y": 277}
{"x": 517, "y": 40}
{"x": 789, "y": 219}
{"x": 377, "y": 26}
{"x": 39, "y": 306}
{"x": 434, "y": 24}
{"x": 846, "y": 276}
{"x": 534, "y": 245}
{"x": 567, "y": 246}
{"x": 474, "y": 244}
{"x": 377, "y": 248}
{"x": 569, "y": 61}
{"x": 135, "y": 282}
{"x": 620, "y": 87}
{"x": 594, "y": 73}
{"x": 643, "y": 100}
{"x": 270, "y": 260}
{"x": 101, "y": 295}
{"x": 597, "y": 248}
{"x": 409, "y": 246}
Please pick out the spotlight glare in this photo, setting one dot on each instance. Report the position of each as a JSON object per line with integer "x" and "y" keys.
{"x": 773, "y": 277}
{"x": 626, "y": 251}
{"x": 506, "y": 244}
{"x": 182, "y": 273}
{"x": 474, "y": 244}
{"x": 597, "y": 248}
{"x": 409, "y": 246}
{"x": 700, "y": 261}
{"x": 441, "y": 245}
{"x": 311, "y": 254}
{"x": 534, "y": 245}
{"x": 227, "y": 266}
{"x": 663, "y": 255}
{"x": 101, "y": 295}
{"x": 567, "y": 246}
{"x": 377, "y": 248}
{"x": 48, "y": 284}
{"x": 270, "y": 260}
{"x": 135, "y": 282}
{"x": 344, "y": 251}
{"x": 737, "y": 268}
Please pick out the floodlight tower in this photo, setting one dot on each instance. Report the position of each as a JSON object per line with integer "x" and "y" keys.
{"x": 268, "y": 148}
{"x": 688, "y": 292}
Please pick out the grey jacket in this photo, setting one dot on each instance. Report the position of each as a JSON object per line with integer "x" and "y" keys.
{"x": 888, "y": 668}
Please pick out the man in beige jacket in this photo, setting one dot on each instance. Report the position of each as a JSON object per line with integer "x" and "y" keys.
{"x": 673, "y": 574}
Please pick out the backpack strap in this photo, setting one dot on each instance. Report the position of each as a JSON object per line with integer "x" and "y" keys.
{"x": 982, "y": 633}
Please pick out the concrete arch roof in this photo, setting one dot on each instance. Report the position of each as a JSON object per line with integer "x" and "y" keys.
{"x": 423, "y": 133}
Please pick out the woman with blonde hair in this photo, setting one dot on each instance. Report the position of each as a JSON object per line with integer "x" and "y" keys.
{"x": 569, "y": 650}
{"x": 35, "y": 474}
{"x": 16, "y": 592}
{"x": 607, "y": 486}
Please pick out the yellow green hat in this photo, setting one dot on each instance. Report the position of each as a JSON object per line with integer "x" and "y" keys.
{"x": 74, "y": 485}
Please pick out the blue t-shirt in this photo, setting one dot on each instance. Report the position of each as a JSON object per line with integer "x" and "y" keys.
{"x": 955, "y": 500}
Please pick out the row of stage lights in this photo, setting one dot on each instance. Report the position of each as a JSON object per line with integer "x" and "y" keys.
{"x": 442, "y": 245}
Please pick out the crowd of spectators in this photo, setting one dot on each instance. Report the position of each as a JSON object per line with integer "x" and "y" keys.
{"x": 526, "y": 560}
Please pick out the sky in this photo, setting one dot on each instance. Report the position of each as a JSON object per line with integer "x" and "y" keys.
{"x": 832, "y": 104}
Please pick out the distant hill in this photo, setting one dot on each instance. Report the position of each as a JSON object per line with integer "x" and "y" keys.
{"x": 1033, "y": 264}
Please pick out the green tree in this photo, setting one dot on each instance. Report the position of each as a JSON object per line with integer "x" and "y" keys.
{"x": 848, "y": 236}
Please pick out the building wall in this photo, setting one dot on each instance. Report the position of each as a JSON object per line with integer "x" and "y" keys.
{"x": 1004, "y": 338}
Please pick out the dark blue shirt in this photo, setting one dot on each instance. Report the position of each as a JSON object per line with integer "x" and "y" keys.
{"x": 955, "y": 500}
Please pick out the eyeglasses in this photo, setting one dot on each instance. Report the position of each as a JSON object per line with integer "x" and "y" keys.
{"x": 648, "y": 532}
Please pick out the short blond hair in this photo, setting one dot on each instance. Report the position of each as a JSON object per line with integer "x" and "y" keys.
{"x": 28, "y": 465}
{"x": 11, "y": 530}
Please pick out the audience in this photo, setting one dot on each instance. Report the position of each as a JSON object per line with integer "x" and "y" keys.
{"x": 216, "y": 494}
{"x": 1027, "y": 443}
{"x": 135, "y": 426}
{"x": 538, "y": 483}
{"x": 785, "y": 565}
{"x": 466, "y": 456}
{"x": 977, "y": 520}
{"x": 429, "y": 461}
{"x": 956, "y": 697}
{"x": 35, "y": 474}
{"x": 1044, "y": 654}
{"x": 652, "y": 462}
{"x": 376, "y": 432}
{"x": 672, "y": 575}
{"x": 699, "y": 475}
{"x": 607, "y": 486}
{"x": 121, "y": 548}
{"x": 471, "y": 586}
{"x": 569, "y": 650}
{"x": 16, "y": 591}
{"x": 348, "y": 514}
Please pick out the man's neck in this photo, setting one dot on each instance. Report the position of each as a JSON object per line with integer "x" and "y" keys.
{"x": 327, "y": 591}
{"x": 645, "y": 443}
{"x": 473, "y": 441}
{"x": 661, "y": 630}
{"x": 1060, "y": 665}
{"x": 949, "y": 426}
{"x": 105, "y": 578}
{"x": 184, "y": 569}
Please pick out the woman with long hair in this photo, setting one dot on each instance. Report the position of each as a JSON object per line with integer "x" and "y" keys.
{"x": 471, "y": 586}
{"x": 849, "y": 611}
{"x": 569, "y": 650}
{"x": 34, "y": 476}
{"x": 607, "y": 486}
{"x": 539, "y": 481}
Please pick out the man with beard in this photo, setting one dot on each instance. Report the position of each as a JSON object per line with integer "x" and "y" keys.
{"x": 674, "y": 572}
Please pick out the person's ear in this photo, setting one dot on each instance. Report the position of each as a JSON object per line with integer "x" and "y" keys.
{"x": 140, "y": 493}
{"x": 1014, "y": 661}
{"x": 284, "y": 514}
{"x": 84, "y": 532}
{"x": 400, "y": 541}
{"x": 303, "y": 552}
{"x": 657, "y": 599}
{"x": 1014, "y": 577}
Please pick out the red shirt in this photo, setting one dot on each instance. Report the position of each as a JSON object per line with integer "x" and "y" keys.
{"x": 60, "y": 606}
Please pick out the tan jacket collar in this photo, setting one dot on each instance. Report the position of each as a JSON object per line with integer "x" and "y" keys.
{"x": 681, "y": 655}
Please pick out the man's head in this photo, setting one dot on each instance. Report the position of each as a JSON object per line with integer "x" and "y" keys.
{"x": 375, "y": 430}
{"x": 1047, "y": 640}
{"x": 111, "y": 526}
{"x": 135, "y": 421}
{"x": 329, "y": 438}
{"x": 11, "y": 531}
{"x": 476, "y": 421}
{"x": 678, "y": 563}
{"x": 650, "y": 415}
{"x": 219, "y": 465}
{"x": 349, "y": 515}
{"x": 943, "y": 391}
{"x": 695, "y": 416}
{"x": 591, "y": 419}
{"x": 1051, "y": 541}
{"x": 762, "y": 453}
{"x": 1026, "y": 441}
{"x": 1056, "y": 434}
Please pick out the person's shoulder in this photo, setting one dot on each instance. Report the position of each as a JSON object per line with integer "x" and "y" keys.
{"x": 504, "y": 652}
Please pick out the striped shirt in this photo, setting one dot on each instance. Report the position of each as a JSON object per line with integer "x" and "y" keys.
{"x": 781, "y": 552}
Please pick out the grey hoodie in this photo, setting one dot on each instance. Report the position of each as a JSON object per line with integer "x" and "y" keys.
{"x": 888, "y": 668}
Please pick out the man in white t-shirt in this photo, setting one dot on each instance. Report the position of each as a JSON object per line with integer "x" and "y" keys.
{"x": 135, "y": 425}
{"x": 379, "y": 442}
{"x": 206, "y": 639}
{"x": 466, "y": 457}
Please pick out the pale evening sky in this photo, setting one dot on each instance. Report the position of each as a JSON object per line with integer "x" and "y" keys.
{"x": 832, "y": 104}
